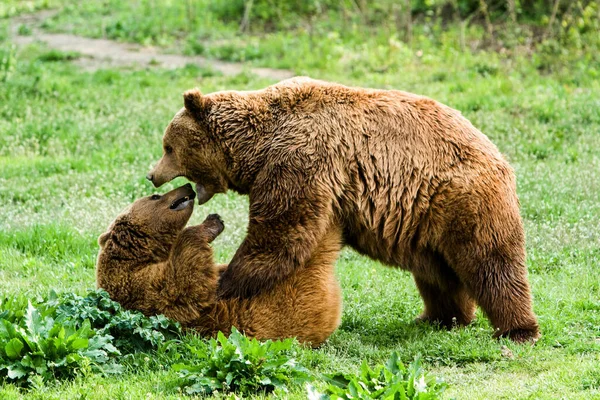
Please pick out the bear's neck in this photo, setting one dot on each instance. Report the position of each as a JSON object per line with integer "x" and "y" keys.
{"x": 243, "y": 123}
{"x": 136, "y": 253}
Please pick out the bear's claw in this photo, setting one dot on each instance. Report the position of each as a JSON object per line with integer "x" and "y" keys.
{"x": 217, "y": 217}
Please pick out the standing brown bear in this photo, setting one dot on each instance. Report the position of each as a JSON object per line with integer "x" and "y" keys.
{"x": 411, "y": 182}
{"x": 150, "y": 262}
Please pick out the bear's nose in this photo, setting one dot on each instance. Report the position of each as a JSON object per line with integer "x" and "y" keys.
{"x": 150, "y": 177}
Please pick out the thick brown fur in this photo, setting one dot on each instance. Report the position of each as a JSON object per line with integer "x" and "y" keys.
{"x": 149, "y": 262}
{"x": 411, "y": 182}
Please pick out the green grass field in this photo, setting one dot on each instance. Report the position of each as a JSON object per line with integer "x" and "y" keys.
{"x": 75, "y": 147}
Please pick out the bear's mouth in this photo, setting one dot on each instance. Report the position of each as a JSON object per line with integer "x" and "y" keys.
{"x": 183, "y": 202}
{"x": 204, "y": 195}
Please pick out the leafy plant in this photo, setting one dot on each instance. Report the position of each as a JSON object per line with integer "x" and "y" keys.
{"x": 390, "y": 381}
{"x": 240, "y": 364}
{"x": 40, "y": 345}
{"x": 65, "y": 335}
{"x": 131, "y": 330}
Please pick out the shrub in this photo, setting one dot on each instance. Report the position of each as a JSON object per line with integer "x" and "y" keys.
{"x": 40, "y": 345}
{"x": 390, "y": 381}
{"x": 65, "y": 335}
{"x": 131, "y": 330}
{"x": 240, "y": 364}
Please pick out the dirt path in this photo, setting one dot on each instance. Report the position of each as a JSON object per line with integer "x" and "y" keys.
{"x": 101, "y": 53}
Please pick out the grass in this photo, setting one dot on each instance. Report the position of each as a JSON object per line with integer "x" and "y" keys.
{"x": 75, "y": 147}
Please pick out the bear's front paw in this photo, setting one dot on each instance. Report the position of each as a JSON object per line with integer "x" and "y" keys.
{"x": 216, "y": 220}
{"x": 213, "y": 226}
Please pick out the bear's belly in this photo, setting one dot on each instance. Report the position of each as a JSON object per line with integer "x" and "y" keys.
{"x": 370, "y": 241}
{"x": 392, "y": 220}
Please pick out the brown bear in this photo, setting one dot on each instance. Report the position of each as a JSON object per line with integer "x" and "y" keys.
{"x": 411, "y": 182}
{"x": 150, "y": 262}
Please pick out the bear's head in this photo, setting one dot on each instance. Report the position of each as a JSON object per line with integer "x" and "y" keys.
{"x": 190, "y": 150}
{"x": 148, "y": 228}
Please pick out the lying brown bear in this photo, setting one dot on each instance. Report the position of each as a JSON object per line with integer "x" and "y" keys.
{"x": 410, "y": 182}
{"x": 150, "y": 262}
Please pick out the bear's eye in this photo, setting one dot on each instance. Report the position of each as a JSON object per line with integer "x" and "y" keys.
{"x": 155, "y": 197}
{"x": 168, "y": 149}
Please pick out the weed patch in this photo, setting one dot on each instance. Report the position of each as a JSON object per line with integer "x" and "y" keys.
{"x": 393, "y": 380}
{"x": 242, "y": 365}
{"x": 64, "y": 336}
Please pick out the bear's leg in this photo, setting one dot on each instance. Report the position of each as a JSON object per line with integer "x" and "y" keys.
{"x": 484, "y": 244}
{"x": 446, "y": 299}
{"x": 447, "y": 307}
{"x": 499, "y": 285}
{"x": 191, "y": 272}
{"x": 289, "y": 217}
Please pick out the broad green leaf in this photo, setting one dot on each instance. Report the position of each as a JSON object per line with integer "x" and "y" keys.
{"x": 33, "y": 321}
{"x": 16, "y": 372}
{"x": 392, "y": 363}
{"x": 353, "y": 388}
{"x": 13, "y": 348}
{"x": 365, "y": 371}
{"x": 58, "y": 363}
{"x": 79, "y": 343}
{"x": 74, "y": 358}
{"x": 266, "y": 381}
{"x": 180, "y": 367}
{"x": 9, "y": 330}
{"x": 339, "y": 380}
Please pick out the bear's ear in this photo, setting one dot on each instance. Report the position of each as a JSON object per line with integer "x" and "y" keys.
{"x": 103, "y": 238}
{"x": 194, "y": 101}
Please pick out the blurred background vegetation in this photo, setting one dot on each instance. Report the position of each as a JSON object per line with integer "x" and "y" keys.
{"x": 360, "y": 35}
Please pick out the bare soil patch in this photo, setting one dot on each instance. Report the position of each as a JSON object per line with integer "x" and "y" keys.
{"x": 102, "y": 53}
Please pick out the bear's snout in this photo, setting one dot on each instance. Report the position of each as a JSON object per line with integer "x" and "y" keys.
{"x": 156, "y": 180}
{"x": 164, "y": 171}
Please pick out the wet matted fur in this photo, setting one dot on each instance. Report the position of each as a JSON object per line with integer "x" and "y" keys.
{"x": 150, "y": 262}
{"x": 410, "y": 182}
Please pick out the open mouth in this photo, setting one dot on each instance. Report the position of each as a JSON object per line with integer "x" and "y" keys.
{"x": 203, "y": 194}
{"x": 183, "y": 202}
